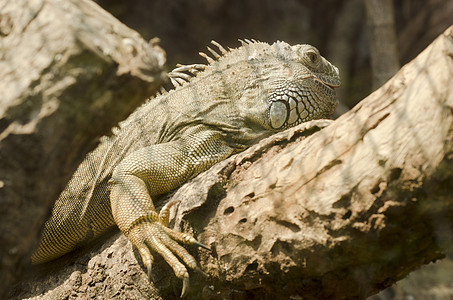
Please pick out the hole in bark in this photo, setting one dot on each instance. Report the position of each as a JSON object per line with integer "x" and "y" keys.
{"x": 251, "y": 195}
{"x": 395, "y": 174}
{"x": 252, "y": 267}
{"x": 347, "y": 215}
{"x": 289, "y": 225}
{"x": 344, "y": 201}
{"x": 229, "y": 210}
{"x": 243, "y": 220}
{"x": 3, "y": 124}
{"x": 376, "y": 188}
{"x": 282, "y": 247}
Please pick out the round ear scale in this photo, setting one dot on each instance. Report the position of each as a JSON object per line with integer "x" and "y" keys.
{"x": 278, "y": 113}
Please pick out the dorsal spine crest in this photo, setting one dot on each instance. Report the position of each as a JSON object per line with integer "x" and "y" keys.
{"x": 183, "y": 74}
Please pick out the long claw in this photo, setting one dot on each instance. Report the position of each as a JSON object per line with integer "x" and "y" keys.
{"x": 148, "y": 268}
{"x": 202, "y": 245}
{"x": 201, "y": 271}
{"x": 185, "y": 287}
{"x": 164, "y": 214}
{"x": 147, "y": 259}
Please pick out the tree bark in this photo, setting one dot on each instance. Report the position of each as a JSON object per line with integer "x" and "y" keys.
{"x": 337, "y": 213}
{"x": 69, "y": 72}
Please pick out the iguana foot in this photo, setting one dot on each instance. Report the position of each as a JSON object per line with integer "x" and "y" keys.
{"x": 149, "y": 236}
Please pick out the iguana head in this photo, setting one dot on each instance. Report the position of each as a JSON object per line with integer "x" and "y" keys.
{"x": 259, "y": 88}
{"x": 301, "y": 87}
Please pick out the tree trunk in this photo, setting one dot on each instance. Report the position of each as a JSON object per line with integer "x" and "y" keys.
{"x": 382, "y": 40}
{"x": 337, "y": 213}
{"x": 69, "y": 72}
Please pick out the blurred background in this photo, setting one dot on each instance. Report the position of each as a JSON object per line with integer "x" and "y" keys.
{"x": 368, "y": 40}
{"x": 339, "y": 29}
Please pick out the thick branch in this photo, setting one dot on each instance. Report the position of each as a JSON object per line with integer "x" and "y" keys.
{"x": 345, "y": 212}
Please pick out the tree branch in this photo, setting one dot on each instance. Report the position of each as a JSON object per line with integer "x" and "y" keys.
{"x": 345, "y": 212}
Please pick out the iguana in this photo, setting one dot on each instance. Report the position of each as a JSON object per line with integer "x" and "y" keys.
{"x": 214, "y": 111}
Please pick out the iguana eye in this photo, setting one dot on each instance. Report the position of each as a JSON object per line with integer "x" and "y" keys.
{"x": 313, "y": 57}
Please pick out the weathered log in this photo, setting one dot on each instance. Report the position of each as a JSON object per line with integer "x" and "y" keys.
{"x": 69, "y": 72}
{"x": 337, "y": 213}
{"x": 349, "y": 210}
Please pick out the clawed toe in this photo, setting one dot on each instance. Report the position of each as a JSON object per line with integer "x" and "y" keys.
{"x": 201, "y": 271}
{"x": 185, "y": 287}
{"x": 155, "y": 236}
{"x": 148, "y": 269}
{"x": 201, "y": 245}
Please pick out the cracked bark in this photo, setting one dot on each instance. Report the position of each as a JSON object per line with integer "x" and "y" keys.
{"x": 337, "y": 213}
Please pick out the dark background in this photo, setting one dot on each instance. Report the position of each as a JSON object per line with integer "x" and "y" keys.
{"x": 337, "y": 28}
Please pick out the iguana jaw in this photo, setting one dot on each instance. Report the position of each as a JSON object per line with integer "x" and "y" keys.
{"x": 332, "y": 86}
{"x": 293, "y": 104}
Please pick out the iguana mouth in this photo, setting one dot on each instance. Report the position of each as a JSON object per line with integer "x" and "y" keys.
{"x": 330, "y": 85}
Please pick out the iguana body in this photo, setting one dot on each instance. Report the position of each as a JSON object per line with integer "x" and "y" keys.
{"x": 244, "y": 95}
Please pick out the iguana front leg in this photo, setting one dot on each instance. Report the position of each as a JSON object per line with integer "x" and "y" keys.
{"x": 153, "y": 171}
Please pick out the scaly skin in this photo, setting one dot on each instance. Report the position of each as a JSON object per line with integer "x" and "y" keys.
{"x": 237, "y": 99}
